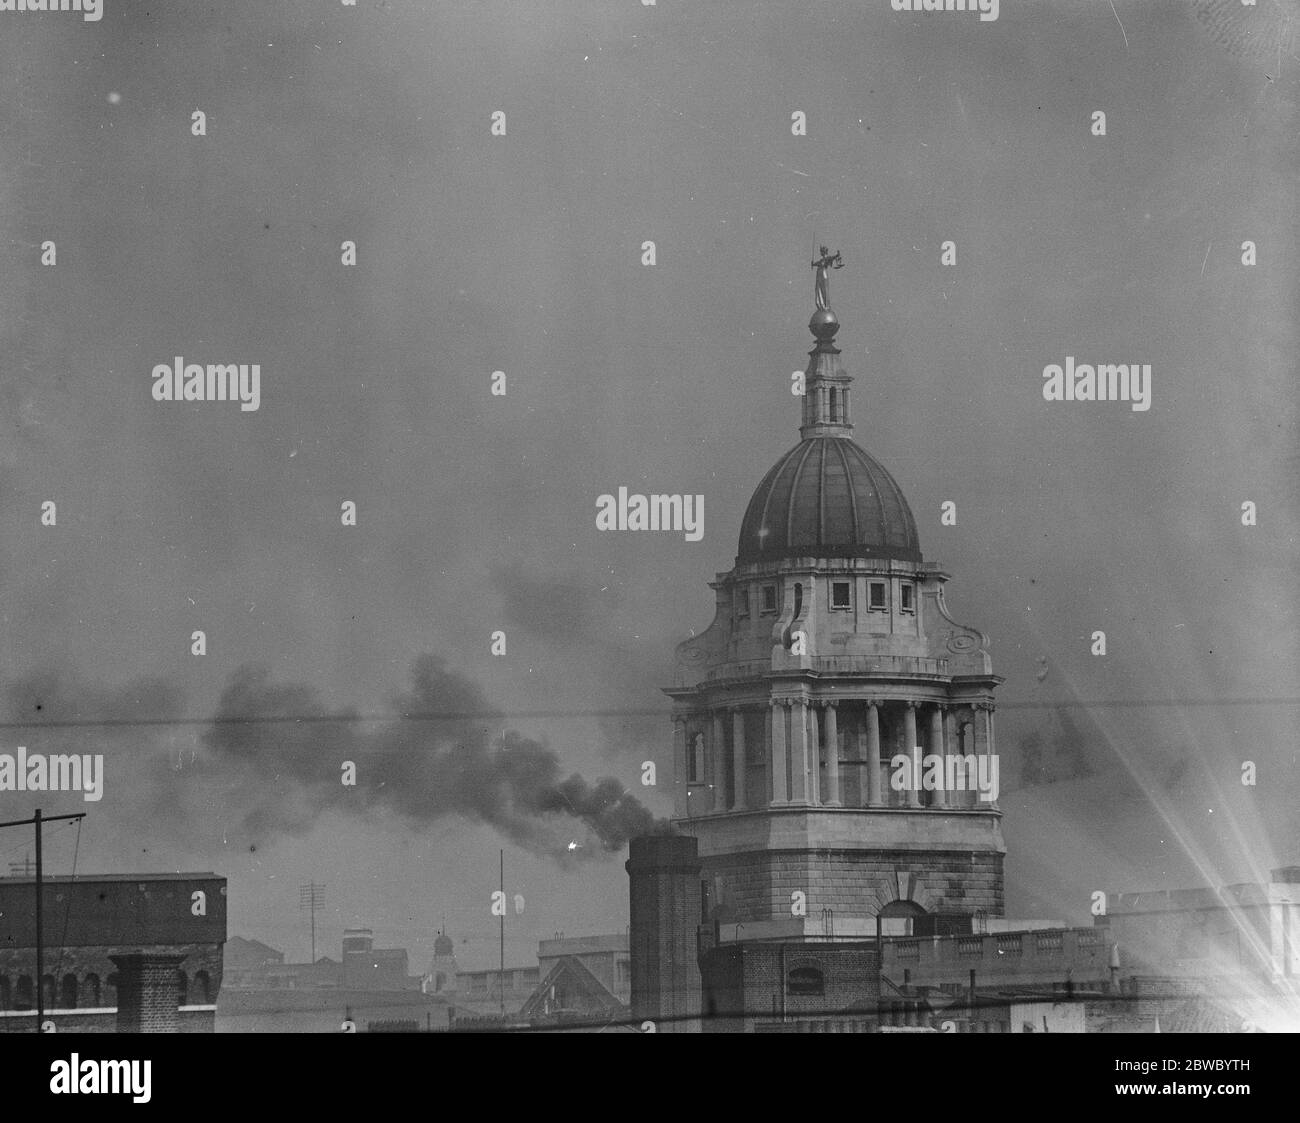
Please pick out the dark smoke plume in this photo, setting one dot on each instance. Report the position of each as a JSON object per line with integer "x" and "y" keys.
{"x": 444, "y": 752}
{"x": 577, "y": 617}
{"x": 269, "y": 762}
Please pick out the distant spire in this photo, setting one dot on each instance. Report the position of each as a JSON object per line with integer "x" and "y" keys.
{"x": 826, "y": 385}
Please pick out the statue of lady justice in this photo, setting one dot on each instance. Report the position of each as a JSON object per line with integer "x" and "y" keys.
{"x": 827, "y": 262}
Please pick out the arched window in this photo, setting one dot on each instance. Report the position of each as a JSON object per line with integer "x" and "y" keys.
{"x": 90, "y": 989}
{"x": 68, "y": 995}
{"x": 695, "y": 766}
{"x": 23, "y": 994}
{"x": 898, "y": 918}
{"x": 835, "y": 404}
{"x": 182, "y": 987}
{"x": 202, "y": 988}
{"x": 805, "y": 980}
{"x": 6, "y": 992}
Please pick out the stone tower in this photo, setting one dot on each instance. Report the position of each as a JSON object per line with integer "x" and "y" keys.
{"x": 830, "y": 658}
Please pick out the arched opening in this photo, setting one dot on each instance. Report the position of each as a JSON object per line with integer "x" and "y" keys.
{"x": 6, "y": 992}
{"x": 68, "y": 992}
{"x": 806, "y": 981}
{"x": 182, "y": 989}
{"x": 202, "y": 988}
{"x": 90, "y": 989}
{"x": 835, "y": 404}
{"x": 898, "y": 918}
{"x": 695, "y": 763}
{"x": 24, "y": 995}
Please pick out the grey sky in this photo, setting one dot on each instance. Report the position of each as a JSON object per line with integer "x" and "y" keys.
{"x": 522, "y": 253}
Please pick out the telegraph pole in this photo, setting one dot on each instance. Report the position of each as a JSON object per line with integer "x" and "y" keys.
{"x": 36, "y": 821}
{"x": 311, "y": 897}
{"x": 503, "y": 934}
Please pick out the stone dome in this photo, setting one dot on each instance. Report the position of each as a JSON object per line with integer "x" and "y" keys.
{"x": 827, "y": 498}
{"x": 443, "y": 946}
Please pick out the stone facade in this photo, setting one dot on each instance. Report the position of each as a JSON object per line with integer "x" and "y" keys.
{"x": 834, "y": 725}
{"x": 753, "y": 888}
{"x": 748, "y": 986}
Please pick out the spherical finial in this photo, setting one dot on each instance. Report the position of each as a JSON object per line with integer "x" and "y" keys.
{"x": 824, "y": 325}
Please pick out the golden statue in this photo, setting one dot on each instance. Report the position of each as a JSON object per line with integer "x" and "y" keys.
{"x": 824, "y": 265}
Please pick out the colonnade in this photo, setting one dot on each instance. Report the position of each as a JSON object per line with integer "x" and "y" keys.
{"x": 826, "y": 752}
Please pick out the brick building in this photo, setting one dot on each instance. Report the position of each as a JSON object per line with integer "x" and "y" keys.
{"x": 1250, "y": 929}
{"x": 123, "y": 953}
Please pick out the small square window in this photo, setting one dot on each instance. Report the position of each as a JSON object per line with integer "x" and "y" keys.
{"x": 769, "y": 598}
{"x": 840, "y": 594}
{"x": 742, "y": 602}
{"x": 877, "y": 596}
{"x": 909, "y": 597}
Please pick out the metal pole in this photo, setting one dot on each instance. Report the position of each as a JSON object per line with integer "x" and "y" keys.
{"x": 311, "y": 896}
{"x": 503, "y": 933}
{"x": 40, "y": 950}
{"x": 36, "y": 820}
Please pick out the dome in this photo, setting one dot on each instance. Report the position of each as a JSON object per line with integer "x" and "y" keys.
{"x": 827, "y": 498}
{"x": 443, "y": 946}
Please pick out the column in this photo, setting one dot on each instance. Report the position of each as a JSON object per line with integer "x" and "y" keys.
{"x": 909, "y": 747}
{"x": 717, "y": 770}
{"x": 973, "y": 798}
{"x": 987, "y": 707}
{"x": 938, "y": 749}
{"x": 738, "y": 758}
{"x": 814, "y": 754}
{"x": 780, "y": 755}
{"x": 799, "y": 751}
{"x": 769, "y": 784}
{"x": 874, "y": 797}
{"x": 680, "y": 807}
{"x": 832, "y": 758}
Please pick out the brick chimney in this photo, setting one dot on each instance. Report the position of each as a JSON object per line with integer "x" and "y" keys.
{"x": 665, "y": 897}
{"x": 148, "y": 992}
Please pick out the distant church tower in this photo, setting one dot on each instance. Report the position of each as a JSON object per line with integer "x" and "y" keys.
{"x": 441, "y": 978}
{"x": 832, "y": 652}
